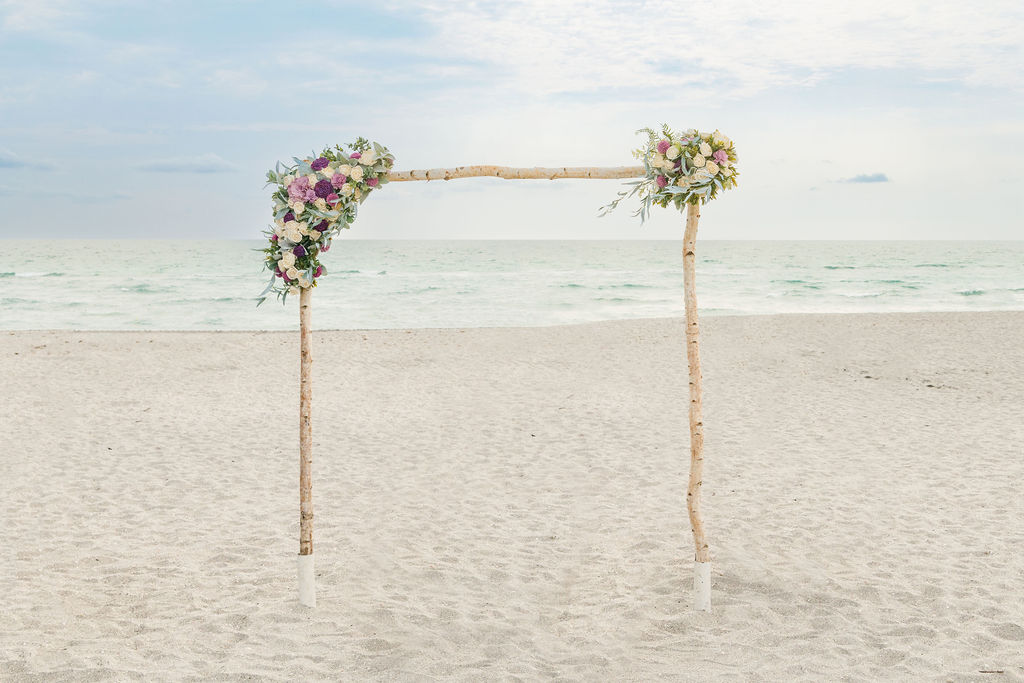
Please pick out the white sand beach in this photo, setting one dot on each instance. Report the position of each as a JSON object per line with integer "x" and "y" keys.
{"x": 509, "y": 503}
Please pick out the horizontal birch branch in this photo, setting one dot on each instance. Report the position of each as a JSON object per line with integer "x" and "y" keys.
{"x": 510, "y": 173}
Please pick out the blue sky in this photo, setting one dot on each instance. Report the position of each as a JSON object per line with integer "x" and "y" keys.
{"x": 881, "y": 120}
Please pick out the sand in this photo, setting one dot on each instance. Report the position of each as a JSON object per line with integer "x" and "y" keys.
{"x": 509, "y": 503}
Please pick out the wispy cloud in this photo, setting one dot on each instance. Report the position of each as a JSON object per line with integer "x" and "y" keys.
{"x": 730, "y": 48}
{"x": 866, "y": 178}
{"x": 10, "y": 160}
{"x": 205, "y": 163}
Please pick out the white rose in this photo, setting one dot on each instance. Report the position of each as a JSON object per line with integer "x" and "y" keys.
{"x": 293, "y": 234}
{"x": 357, "y": 173}
{"x": 312, "y": 178}
{"x": 288, "y": 259}
{"x": 673, "y": 152}
{"x": 314, "y": 235}
{"x": 727, "y": 171}
{"x": 293, "y": 290}
{"x": 699, "y": 177}
{"x": 279, "y": 222}
{"x": 683, "y": 181}
{"x": 344, "y": 169}
{"x": 720, "y": 139}
{"x": 303, "y": 282}
{"x": 705, "y": 149}
{"x": 368, "y": 157}
{"x": 288, "y": 180}
{"x": 321, "y": 204}
{"x": 711, "y": 167}
{"x": 358, "y": 193}
{"x": 292, "y": 273}
{"x": 698, "y": 161}
{"x": 298, "y": 208}
{"x": 346, "y": 189}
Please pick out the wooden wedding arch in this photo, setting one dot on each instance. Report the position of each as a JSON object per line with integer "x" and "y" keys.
{"x": 702, "y": 556}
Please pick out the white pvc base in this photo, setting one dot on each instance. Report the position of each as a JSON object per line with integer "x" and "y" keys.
{"x": 702, "y": 586}
{"x": 307, "y": 581}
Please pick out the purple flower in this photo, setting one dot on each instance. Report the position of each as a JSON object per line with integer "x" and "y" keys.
{"x": 278, "y": 273}
{"x": 326, "y": 247}
{"x": 289, "y": 217}
{"x": 285, "y": 276}
{"x": 663, "y": 146}
{"x": 320, "y": 164}
{"x": 356, "y": 155}
{"x": 332, "y": 198}
{"x": 720, "y": 156}
{"x": 321, "y": 226}
{"x": 372, "y": 182}
{"x": 273, "y": 238}
{"x": 679, "y": 162}
{"x": 310, "y": 195}
{"x": 297, "y": 190}
{"x": 323, "y": 188}
{"x": 319, "y": 271}
{"x": 299, "y": 250}
{"x": 338, "y": 179}
{"x": 661, "y": 180}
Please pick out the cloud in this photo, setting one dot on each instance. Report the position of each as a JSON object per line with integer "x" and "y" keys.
{"x": 205, "y": 163}
{"x": 728, "y": 49}
{"x": 866, "y": 178}
{"x": 9, "y": 159}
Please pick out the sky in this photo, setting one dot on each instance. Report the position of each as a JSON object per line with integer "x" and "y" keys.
{"x": 880, "y": 119}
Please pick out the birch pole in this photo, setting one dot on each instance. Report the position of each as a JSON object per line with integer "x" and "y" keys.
{"x": 307, "y": 575}
{"x": 702, "y": 559}
{"x": 511, "y": 173}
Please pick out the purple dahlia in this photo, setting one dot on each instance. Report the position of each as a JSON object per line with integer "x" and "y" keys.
{"x": 299, "y": 250}
{"x": 323, "y": 188}
{"x": 355, "y": 155}
{"x": 320, "y": 164}
{"x": 321, "y": 226}
{"x": 289, "y": 217}
{"x": 319, "y": 271}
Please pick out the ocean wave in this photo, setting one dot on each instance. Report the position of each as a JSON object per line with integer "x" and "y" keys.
{"x": 31, "y": 274}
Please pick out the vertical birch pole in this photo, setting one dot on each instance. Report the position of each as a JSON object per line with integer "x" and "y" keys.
{"x": 702, "y": 559}
{"x": 307, "y": 576}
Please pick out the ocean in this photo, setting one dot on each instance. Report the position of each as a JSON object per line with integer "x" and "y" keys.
{"x": 212, "y": 285}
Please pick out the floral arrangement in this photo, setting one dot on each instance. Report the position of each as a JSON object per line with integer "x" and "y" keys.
{"x": 680, "y": 169}
{"x": 313, "y": 201}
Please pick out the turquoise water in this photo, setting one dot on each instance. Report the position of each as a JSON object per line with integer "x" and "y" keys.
{"x": 211, "y": 285}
